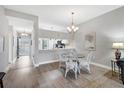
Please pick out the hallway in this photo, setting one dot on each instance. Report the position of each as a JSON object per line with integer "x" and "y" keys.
{"x": 21, "y": 63}
{"x": 21, "y": 73}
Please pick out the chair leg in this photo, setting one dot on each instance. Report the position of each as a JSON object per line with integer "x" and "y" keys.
{"x": 79, "y": 70}
{"x": 66, "y": 73}
{"x": 76, "y": 76}
{"x": 119, "y": 72}
{"x": 75, "y": 71}
{"x": 89, "y": 69}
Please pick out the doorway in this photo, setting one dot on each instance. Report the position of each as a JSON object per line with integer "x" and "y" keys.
{"x": 23, "y": 45}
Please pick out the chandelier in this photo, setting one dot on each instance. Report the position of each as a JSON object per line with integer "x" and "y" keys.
{"x": 72, "y": 28}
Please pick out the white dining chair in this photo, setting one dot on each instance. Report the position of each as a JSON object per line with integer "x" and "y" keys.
{"x": 75, "y": 58}
{"x": 85, "y": 63}
{"x": 62, "y": 59}
{"x": 71, "y": 65}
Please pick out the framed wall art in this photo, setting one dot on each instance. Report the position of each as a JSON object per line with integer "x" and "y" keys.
{"x": 90, "y": 41}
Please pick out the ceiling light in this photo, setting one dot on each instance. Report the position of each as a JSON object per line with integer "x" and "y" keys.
{"x": 72, "y": 28}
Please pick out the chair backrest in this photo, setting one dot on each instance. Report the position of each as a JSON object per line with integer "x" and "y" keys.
{"x": 67, "y": 56}
{"x": 90, "y": 57}
{"x": 62, "y": 57}
{"x": 73, "y": 55}
{"x": 70, "y": 63}
{"x": 74, "y": 51}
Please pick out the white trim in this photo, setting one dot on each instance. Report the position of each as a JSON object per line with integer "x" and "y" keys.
{"x": 45, "y": 62}
{"x": 10, "y": 62}
{"x": 52, "y": 61}
{"x": 6, "y": 69}
{"x": 14, "y": 60}
{"x": 33, "y": 61}
{"x": 100, "y": 65}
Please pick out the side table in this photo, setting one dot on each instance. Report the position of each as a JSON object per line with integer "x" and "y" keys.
{"x": 113, "y": 66}
{"x": 2, "y": 74}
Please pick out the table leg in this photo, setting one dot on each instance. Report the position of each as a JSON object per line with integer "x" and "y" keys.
{"x": 119, "y": 73}
{"x": 112, "y": 67}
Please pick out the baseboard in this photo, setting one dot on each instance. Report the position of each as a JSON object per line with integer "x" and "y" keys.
{"x": 33, "y": 61}
{"x": 53, "y": 61}
{"x": 7, "y": 68}
{"x": 100, "y": 65}
{"x": 45, "y": 62}
{"x": 10, "y": 62}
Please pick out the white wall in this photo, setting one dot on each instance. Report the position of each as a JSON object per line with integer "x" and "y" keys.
{"x": 4, "y": 32}
{"x": 48, "y": 56}
{"x": 45, "y": 56}
{"x": 31, "y": 18}
{"x": 34, "y": 19}
{"x": 53, "y": 34}
{"x": 42, "y": 56}
{"x": 109, "y": 28}
{"x": 14, "y": 45}
{"x": 10, "y": 44}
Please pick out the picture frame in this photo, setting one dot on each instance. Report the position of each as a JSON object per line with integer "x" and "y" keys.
{"x": 90, "y": 41}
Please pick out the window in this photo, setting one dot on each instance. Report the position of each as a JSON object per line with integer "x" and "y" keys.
{"x": 43, "y": 44}
{"x": 49, "y": 44}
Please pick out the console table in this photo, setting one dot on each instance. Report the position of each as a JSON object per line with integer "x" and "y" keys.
{"x": 121, "y": 64}
{"x": 113, "y": 66}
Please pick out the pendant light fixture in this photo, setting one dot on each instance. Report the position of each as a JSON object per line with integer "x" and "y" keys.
{"x": 72, "y": 28}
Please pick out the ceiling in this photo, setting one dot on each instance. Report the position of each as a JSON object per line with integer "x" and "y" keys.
{"x": 58, "y": 17}
{"x": 20, "y": 25}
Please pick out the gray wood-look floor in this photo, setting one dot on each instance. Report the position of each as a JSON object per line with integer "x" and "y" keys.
{"x": 22, "y": 74}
